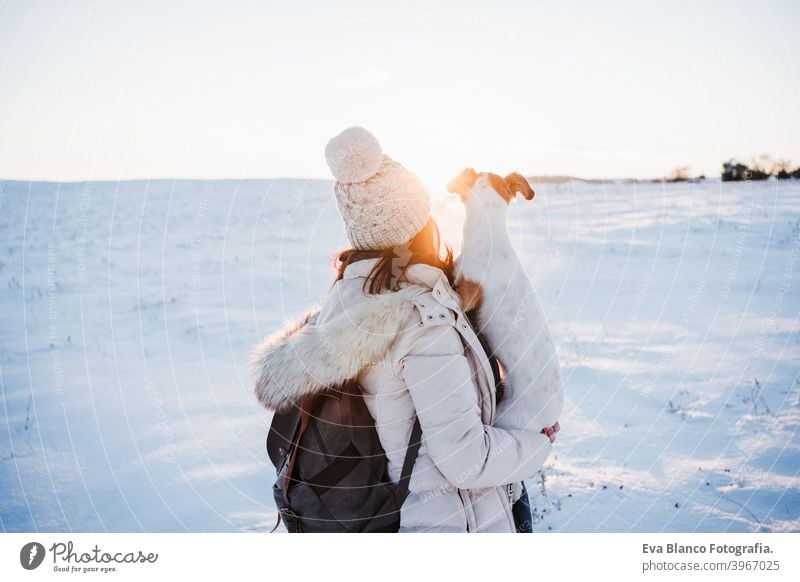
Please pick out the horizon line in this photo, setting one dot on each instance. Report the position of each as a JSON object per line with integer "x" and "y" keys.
{"x": 552, "y": 178}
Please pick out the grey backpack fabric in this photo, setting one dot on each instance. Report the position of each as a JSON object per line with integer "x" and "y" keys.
{"x": 331, "y": 468}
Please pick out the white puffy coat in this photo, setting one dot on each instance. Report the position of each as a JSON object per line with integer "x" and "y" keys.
{"x": 413, "y": 351}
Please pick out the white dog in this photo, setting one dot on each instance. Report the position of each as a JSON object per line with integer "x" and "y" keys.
{"x": 503, "y": 304}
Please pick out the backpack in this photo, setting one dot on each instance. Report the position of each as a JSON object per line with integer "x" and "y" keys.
{"x": 331, "y": 468}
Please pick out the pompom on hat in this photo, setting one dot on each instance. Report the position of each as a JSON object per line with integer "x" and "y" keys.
{"x": 381, "y": 203}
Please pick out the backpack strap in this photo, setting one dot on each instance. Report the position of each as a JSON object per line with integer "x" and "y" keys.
{"x": 411, "y": 454}
{"x": 305, "y": 412}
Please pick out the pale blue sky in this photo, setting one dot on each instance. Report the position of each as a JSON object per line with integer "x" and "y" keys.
{"x": 120, "y": 89}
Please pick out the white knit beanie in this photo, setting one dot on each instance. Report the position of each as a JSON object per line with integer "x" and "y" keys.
{"x": 382, "y": 204}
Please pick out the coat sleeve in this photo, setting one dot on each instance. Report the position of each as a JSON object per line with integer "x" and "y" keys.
{"x": 469, "y": 453}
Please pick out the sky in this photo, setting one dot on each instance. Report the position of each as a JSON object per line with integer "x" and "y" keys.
{"x": 113, "y": 89}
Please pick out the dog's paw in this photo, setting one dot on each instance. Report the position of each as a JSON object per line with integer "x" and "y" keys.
{"x": 551, "y": 431}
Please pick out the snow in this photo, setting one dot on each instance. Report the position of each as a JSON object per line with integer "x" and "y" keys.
{"x": 129, "y": 309}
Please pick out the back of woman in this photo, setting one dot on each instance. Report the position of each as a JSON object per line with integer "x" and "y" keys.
{"x": 393, "y": 322}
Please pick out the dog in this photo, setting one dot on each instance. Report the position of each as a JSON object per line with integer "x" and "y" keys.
{"x": 503, "y": 306}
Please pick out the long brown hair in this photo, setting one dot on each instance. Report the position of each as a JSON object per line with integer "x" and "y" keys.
{"x": 426, "y": 247}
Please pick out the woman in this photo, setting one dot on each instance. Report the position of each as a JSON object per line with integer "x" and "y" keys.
{"x": 393, "y": 322}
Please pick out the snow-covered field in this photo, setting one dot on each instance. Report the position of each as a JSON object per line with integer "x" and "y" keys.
{"x": 128, "y": 310}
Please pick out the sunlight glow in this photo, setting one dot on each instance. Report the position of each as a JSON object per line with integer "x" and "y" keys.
{"x": 132, "y": 90}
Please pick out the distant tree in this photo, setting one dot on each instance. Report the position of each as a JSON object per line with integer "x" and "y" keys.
{"x": 758, "y": 168}
{"x": 680, "y": 174}
{"x": 782, "y": 169}
{"x": 734, "y": 171}
{"x": 761, "y": 167}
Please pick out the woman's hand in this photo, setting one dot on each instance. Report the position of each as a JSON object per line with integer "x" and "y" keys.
{"x": 551, "y": 431}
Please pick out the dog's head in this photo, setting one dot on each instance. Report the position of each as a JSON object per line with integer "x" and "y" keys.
{"x": 470, "y": 183}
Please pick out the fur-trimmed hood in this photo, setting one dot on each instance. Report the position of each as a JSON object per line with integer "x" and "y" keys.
{"x": 311, "y": 353}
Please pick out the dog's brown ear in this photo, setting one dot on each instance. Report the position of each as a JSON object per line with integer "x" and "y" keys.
{"x": 462, "y": 184}
{"x": 518, "y": 184}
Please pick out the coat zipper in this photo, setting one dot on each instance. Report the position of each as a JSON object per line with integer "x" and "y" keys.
{"x": 470, "y": 340}
{"x": 508, "y": 506}
{"x": 467, "y": 507}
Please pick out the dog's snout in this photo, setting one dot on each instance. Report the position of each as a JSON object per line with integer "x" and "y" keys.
{"x": 456, "y": 187}
{"x": 462, "y": 184}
